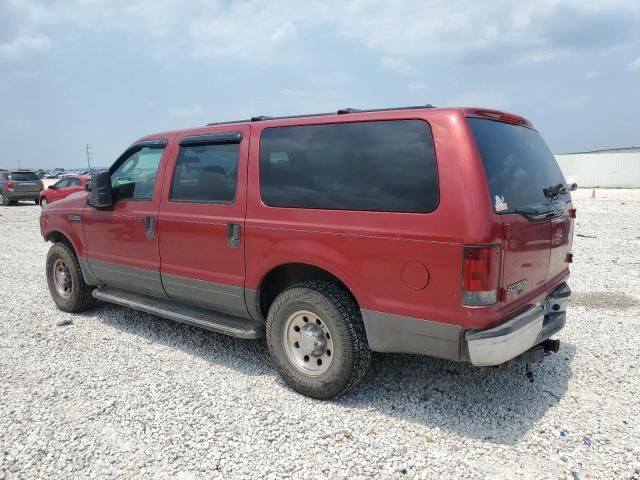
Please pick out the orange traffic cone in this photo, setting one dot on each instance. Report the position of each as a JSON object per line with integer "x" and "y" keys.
{"x": 593, "y": 193}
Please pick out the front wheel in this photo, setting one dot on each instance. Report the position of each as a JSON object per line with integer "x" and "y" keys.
{"x": 317, "y": 339}
{"x": 44, "y": 202}
{"x": 66, "y": 284}
{"x": 4, "y": 201}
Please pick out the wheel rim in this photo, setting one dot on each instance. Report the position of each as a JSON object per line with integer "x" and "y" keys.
{"x": 308, "y": 343}
{"x": 43, "y": 202}
{"x": 1, "y": 198}
{"x": 62, "y": 279}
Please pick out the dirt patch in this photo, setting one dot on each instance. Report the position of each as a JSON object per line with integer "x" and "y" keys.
{"x": 604, "y": 300}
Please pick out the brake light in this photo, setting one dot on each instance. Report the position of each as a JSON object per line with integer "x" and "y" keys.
{"x": 9, "y": 185}
{"x": 480, "y": 274}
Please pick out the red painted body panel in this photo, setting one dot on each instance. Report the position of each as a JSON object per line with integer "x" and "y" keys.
{"x": 56, "y": 194}
{"x": 193, "y": 236}
{"x": 367, "y": 251}
{"x": 117, "y": 234}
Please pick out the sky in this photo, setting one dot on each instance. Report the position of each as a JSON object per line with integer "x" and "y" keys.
{"x": 105, "y": 72}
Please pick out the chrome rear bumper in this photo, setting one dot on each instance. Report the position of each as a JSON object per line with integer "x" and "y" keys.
{"x": 507, "y": 341}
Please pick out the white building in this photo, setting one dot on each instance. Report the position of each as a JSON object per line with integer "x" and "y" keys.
{"x": 614, "y": 168}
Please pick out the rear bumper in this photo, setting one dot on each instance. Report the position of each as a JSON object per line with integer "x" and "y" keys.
{"x": 507, "y": 341}
{"x": 14, "y": 196}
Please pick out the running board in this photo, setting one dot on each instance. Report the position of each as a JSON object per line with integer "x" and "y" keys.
{"x": 198, "y": 317}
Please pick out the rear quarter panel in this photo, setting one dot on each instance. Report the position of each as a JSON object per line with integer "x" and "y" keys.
{"x": 369, "y": 250}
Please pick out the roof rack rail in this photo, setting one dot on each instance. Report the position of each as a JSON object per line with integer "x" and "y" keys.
{"x": 342, "y": 111}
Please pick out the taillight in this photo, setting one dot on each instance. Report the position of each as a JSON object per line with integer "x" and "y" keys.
{"x": 9, "y": 185}
{"x": 480, "y": 274}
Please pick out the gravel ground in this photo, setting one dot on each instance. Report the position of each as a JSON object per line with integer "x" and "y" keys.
{"x": 121, "y": 394}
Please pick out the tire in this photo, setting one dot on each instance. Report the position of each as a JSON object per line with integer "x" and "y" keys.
{"x": 323, "y": 310}
{"x": 4, "y": 201}
{"x": 77, "y": 296}
{"x": 44, "y": 202}
{"x": 37, "y": 201}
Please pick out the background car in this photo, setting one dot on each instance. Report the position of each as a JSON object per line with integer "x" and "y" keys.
{"x": 63, "y": 188}
{"x": 19, "y": 185}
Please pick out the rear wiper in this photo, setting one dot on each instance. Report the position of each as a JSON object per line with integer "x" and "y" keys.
{"x": 552, "y": 192}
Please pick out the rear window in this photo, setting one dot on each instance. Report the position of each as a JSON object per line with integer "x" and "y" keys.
{"x": 23, "y": 176}
{"x": 517, "y": 162}
{"x": 385, "y": 166}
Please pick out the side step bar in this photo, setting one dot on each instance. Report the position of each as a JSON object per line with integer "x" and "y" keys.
{"x": 199, "y": 317}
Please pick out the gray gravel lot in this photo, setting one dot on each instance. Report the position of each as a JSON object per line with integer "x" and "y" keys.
{"x": 121, "y": 394}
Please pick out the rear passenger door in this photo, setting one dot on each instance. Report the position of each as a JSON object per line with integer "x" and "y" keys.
{"x": 201, "y": 221}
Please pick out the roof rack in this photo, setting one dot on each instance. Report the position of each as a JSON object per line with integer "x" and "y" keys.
{"x": 342, "y": 111}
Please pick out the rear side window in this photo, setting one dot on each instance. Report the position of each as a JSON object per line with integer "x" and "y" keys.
{"x": 206, "y": 173}
{"x": 386, "y": 166}
{"x": 74, "y": 182}
{"x": 517, "y": 162}
{"x": 24, "y": 176}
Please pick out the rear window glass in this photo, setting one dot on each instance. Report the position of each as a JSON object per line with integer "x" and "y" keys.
{"x": 206, "y": 173}
{"x": 377, "y": 166}
{"x": 24, "y": 176}
{"x": 517, "y": 162}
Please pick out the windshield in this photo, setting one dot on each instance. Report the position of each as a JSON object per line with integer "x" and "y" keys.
{"x": 517, "y": 162}
{"x": 23, "y": 176}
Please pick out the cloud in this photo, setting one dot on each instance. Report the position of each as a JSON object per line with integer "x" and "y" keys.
{"x": 186, "y": 111}
{"x": 275, "y": 31}
{"x": 24, "y": 44}
{"x": 292, "y": 92}
{"x": 398, "y": 66}
{"x": 634, "y": 66}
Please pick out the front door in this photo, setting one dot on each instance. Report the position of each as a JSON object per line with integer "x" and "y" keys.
{"x": 201, "y": 220}
{"x": 122, "y": 241}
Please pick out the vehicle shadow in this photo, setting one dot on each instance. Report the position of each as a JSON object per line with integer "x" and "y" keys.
{"x": 498, "y": 405}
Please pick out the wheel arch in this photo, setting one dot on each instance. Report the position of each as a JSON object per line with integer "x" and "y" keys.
{"x": 283, "y": 276}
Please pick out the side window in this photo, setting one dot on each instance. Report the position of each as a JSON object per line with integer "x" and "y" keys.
{"x": 73, "y": 182}
{"x": 206, "y": 174}
{"x": 62, "y": 183}
{"x": 384, "y": 166}
{"x": 135, "y": 177}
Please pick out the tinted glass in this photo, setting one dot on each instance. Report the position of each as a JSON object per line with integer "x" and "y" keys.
{"x": 135, "y": 177}
{"x": 379, "y": 166}
{"x": 517, "y": 162}
{"x": 206, "y": 173}
{"x": 24, "y": 176}
{"x": 62, "y": 183}
{"x": 74, "y": 182}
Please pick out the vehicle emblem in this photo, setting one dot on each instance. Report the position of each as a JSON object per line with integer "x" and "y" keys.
{"x": 517, "y": 287}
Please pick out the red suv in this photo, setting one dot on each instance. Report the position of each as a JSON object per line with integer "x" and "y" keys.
{"x": 63, "y": 188}
{"x": 437, "y": 231}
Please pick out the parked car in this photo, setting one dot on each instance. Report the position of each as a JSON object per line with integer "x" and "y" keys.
{"x": 63, "y": 188}
{"x": 19, "y": 185}
{"x": 442, "y": 232}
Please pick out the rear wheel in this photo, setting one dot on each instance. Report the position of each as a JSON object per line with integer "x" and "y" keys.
{"x": 4, "y": 201}
{"x": 317, "y": 339}
{"x": 37, "y": 201}
{"x": 44, "y": 202}
{"x": 66, "y": 284}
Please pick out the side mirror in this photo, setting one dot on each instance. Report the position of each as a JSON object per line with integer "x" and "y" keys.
{"x": 51, "y": 187}
{"x": 573, "y": 187}
{"x": 101, "y": 193}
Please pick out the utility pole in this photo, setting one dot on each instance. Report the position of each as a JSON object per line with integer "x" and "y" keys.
{"x": 89, "y": 156}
